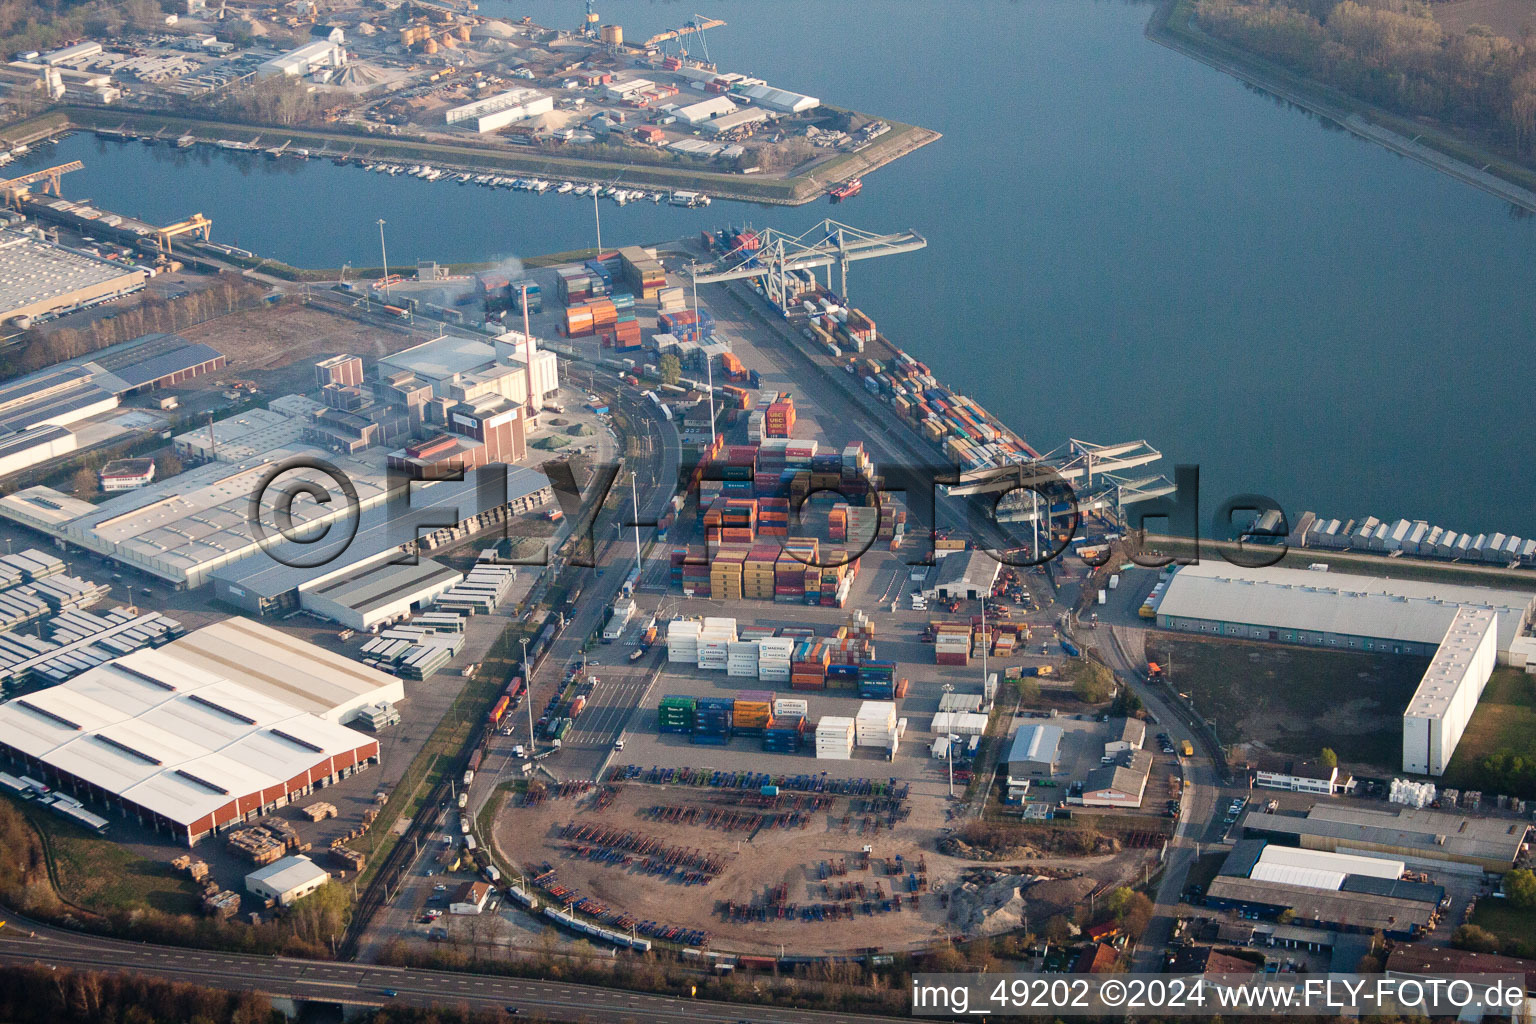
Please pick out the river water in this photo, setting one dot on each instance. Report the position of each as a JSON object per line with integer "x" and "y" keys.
{"x": 1123, "y": 243}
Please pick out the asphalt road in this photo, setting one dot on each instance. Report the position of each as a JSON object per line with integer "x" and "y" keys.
{"x": 23, "y": 942}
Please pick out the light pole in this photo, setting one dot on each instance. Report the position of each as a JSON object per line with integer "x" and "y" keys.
{"x": 949, "y": 748}
{"x": 384, "y": 257}
{"x": 527, "y": 694}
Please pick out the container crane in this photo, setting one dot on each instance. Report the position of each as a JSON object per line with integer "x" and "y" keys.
{"x": 48, "y": 177}
{"x": 196, "y": 224}
{"x": 694, "y": 27}
{"x": 589, "y": 23}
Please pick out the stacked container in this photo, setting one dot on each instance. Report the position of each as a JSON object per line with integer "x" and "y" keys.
{"x": 875, "y": 724}
{"x": 741, "y": 659}
{"x": 808, "y": 666}
{"x": 755, "y": 426}
{"x": 752, "y": 712}
{"x": 773, "y": 659}
{"x": 784, "y": 734}
{"x": 791, "y": 707}
{"x": 671, "y": 300}
{"x": 952, "y": 644}
{"x": 843, "y": 677}
{"x": 877, "y": 680}
{"x": 834, "y": 738}
{"x": 690, "y": 570}
{"x": 683, "y": 641}
{"x": 572, "y": 284}
{"x": 757, "y": 573}
{"x": 725, "y": 573}
{"x": 712, "y": 721}
{"x": 715, "y": 638}
{"x": 779, "y": 418}
{"x": 676, "y": 714}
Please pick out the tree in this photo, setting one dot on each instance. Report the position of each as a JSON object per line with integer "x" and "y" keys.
{"x": 1028, "y": 688}
{"x": 1126, "y": 704}
{"x": 1057, "y": 929}
{"x": 1091, "y": 681}
{"x": 1478, "y": 940}
{"x": 671, "y": 369}
{"x": 1132, "y": 910}
{"x": 167, "y": 465}
{"x": 85, "y": 482}
{"x": 1520, "y": 888}
{"x": 1328, "y": 759}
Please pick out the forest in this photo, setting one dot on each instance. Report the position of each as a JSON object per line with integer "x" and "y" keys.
{"x": 1394, "y": 54}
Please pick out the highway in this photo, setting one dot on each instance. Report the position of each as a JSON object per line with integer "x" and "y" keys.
{"x": 23, "y": 942}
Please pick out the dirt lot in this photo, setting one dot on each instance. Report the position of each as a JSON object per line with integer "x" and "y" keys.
{"x": 275, "y": 337}
{"x": 755, "y": 861}
{"x": 1273, "y": 694}
{"x": 1507, "y": 18}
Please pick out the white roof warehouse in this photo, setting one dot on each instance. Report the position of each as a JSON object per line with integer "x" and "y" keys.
{"x": 1327, "y": 609}
{"x": 221, "y": 726}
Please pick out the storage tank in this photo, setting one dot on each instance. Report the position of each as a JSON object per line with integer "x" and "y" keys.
{"x": 613, "y": 35}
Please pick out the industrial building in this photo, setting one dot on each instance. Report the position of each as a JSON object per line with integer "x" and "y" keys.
{"x": 1442, "y": 705}
{"x": 182, "y": 528}
{"x": 781, "y": 100}
{"x": 307, "y": 59}
{"x": 126, "y": 474}
{"x": 35, "y": 408}
{"x": 286, "y": 880}
{"x": 226, "y": 724}
{"x": 1327, "y": 609}
{"x": 38, "y": 277}
{"x": 962, "y": 574}
{"x": 1121, "y": 784}
{"x": 697, "y": 113}
{"x": 249, "y": 434}
{"x": 1297, "y": 776}
{"x": 462, "y": 368}
{"x": 363, "y": 597}
{"x": 1346, "y": 892}
{"x": 436, "y": 511}
{"x": 735, "y": 121}
{"x": 496, "y": 112}
{"x": 1412, "y": 834}
{"x": 1032, "y": 755}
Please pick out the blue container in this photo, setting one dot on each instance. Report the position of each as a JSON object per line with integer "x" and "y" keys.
{"x": 710, "y": 740}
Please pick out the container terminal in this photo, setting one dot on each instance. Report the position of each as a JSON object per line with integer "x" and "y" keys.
{"x": 822, "y": 671}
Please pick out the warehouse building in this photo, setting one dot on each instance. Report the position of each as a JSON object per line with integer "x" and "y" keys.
{"x": 38, "y": 277}
{"x": 1412, "y": 834}
{"x": 962, "y": 574}
{"x": 365, "y": 596}
{"x": 1122, "y": 784}
{"x": 183, "y": 528}
{"x": 780, "y": 100}
{"x": 284, "y": 881}
{"x": 437, "y": 513}
{"x": 1344, "y": 892}
{"x": 1327, "y": 609}
{"x": 218, "y": 728}
{"x": 249, "y": 434}
{"x": 496, "y": 112}
{"x": 307, "y": 59}
{"x": 735, "y": 121}
{"x": 34, "y": 407}
{"x": 1032, "y": 755}
{"x": 697, "y": 113}
{"x": 1442, "y": 705}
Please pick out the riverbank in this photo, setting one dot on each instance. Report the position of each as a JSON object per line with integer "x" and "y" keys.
{"x": 1171, "y": 25}
{"x": 795, "y": 190}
